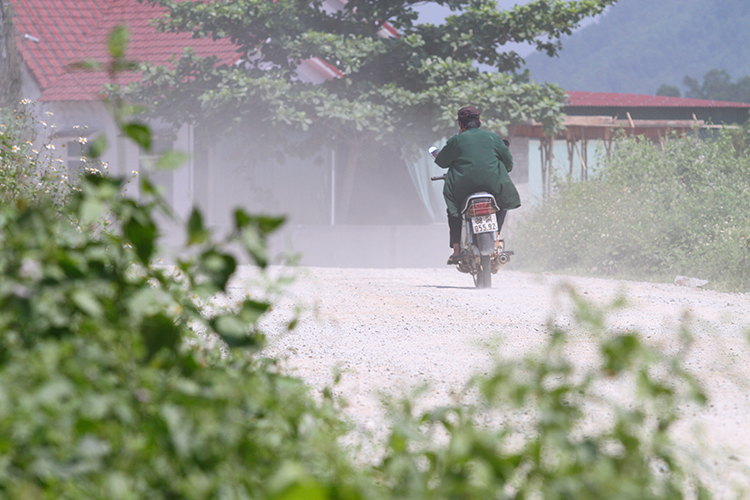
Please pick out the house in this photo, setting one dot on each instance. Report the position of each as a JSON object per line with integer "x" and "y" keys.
{"x": 220, "y": 176}
{"x": 51, "y": 35}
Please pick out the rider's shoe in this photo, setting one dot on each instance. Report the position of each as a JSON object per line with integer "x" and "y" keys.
{"x": 456, "y": 259}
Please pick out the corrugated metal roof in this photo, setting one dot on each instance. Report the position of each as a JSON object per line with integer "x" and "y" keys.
{"x": 609, "y": 99}
{"x": 75, "y": 30}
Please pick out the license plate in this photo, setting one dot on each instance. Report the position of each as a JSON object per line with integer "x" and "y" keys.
{"x": 484, "y": 223}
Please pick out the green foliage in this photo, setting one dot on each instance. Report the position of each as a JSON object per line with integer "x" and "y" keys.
{"x": 29, "y": 169}
{"x": 548, "y": 427}
{"x": 683, "y": 210}
{"x": 106, "y": 388}
{"x": 668, "y": 91}
{"x": 394, "y": 91}
{"x": 717, "y": 85}
{"x": 391, "y": 87}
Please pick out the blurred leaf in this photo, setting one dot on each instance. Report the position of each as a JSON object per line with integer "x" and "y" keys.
{"x": 251, "y": 311}
{"x": 219, "y": 267}
{"x": 139, "y": 133}
{"x": 620, "y": 353}
{"x": 142, "y": 235}
{"x": 197, "y": 234}
{"x": 159, "y": 332}
{"x": 171, "y": 160}
{"x": 234, "y": 331}
{"x": 86, "y": 65}
{"x": 118, "y": 41}
{"x": 97, "y": 147}
{"x": 305, "y": 491}
{"x": 87, "y": 302}
{"x": 266, "y": 224}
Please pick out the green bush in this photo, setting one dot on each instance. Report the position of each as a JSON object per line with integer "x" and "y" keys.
{"x": 553, "y": 427}
{"x": 651, "y": 214}
{"x": 101, "y": 393}
{"x": 29, "y": 169}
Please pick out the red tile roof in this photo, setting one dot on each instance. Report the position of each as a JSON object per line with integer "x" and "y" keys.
{"x": 73, "y": 30}
{"x": 607, "y": 99}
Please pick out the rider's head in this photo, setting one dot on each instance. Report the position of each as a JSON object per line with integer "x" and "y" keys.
{"x": 468, "y": 117}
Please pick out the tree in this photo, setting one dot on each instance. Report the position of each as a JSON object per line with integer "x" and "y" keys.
{"x": 400, "y": 84}
{"x": 717, "y": 85}
{"x": 668, "y": 91}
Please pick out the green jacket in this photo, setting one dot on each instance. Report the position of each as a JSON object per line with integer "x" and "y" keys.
{"x": 477, "y": 160}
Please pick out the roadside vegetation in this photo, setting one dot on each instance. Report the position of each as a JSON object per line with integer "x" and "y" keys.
{"x": 651, "y": 212}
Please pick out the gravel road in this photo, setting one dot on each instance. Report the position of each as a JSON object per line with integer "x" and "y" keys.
{"x": 390, "y": 330}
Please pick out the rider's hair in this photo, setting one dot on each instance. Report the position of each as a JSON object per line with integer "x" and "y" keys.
{"x": 468, "y": 117}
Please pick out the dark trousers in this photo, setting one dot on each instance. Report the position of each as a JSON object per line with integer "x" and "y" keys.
{"x": 454, "y": 224}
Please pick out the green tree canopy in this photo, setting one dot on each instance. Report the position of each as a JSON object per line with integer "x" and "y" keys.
{"x": 400, "y": 81}
{"x": 388, "y": 84}
{"x": 718, "y": 85}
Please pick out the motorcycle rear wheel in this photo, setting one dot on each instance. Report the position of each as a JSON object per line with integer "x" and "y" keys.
{"x": 483, "y": 277}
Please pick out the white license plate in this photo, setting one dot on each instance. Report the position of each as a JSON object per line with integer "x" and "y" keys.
{"x": 484, "y": 223}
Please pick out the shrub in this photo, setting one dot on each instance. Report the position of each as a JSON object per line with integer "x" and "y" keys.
{"x": 29, "y": 168}
{"x": 101, "y": 394}
{"x": 651, "y": 213}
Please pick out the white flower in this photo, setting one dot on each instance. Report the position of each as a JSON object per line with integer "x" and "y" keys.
{"x": 82, "y": 140}
{"x": 50, "y": 146}
{"x": 25, "y": 101}
{"x": 49, "y": 113}
{"x": 16, "y": 148}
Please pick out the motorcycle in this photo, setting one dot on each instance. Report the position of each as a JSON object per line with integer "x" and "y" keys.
{"x": 483, "y": 251}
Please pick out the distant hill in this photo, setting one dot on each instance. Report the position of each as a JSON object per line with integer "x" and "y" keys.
{"x": 640, "y": 44}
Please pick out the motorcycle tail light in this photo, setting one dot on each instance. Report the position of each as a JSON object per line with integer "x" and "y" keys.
{"x": 481, "y": 208}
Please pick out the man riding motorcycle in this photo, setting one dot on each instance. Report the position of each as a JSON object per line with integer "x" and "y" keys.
{"x": 477, "y": 160}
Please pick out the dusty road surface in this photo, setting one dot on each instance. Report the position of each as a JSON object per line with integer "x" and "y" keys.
{"x": 388, "y": 330}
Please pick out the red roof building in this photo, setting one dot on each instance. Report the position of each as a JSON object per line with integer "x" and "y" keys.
{"x": 52, "y": 34}
{"x": 578, "y": 99}
{"x": 600, "y": 116}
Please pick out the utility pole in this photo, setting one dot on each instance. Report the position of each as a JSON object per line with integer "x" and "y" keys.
{"x": 10, "y": 59}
